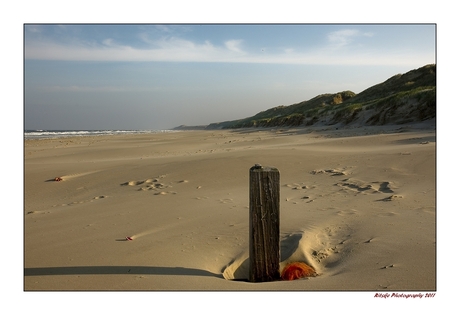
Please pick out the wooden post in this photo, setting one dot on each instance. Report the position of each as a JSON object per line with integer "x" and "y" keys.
{"x": 264, "y": 224}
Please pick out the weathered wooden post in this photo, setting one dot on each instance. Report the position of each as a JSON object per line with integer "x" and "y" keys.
{"x": 264, "y": 224}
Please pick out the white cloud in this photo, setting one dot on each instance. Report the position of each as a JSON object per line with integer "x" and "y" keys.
{"x": 108, "y": 42}
{"x": 165, "y": 49}
{"x": 163, "y": 28}
{"x": 234, "y": 45}
{"x": 342, "y": 37}
{"x": 175, "y": 49}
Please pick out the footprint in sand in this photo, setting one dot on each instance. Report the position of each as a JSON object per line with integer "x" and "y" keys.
{"x": 299, "y": 187}
{"x": 296, "y": 186}
{"x": 163, "y": 193}
{"x": 359, "y": 186}
{"x": 354, "y": 185}
{"x": 332, "y": 172}
{"x": 139, "y": 182}
{"x": 384, "y": 187}
{"x": 331, "y": 244}
{"x": 99, "y": 197}
{"x": 388, "y": 214}
{"x": 226, "y": 200}
{"x": 82, "y": 201}
{"x": 390, "y": 198}
{"x": 347, "y": 212}
{"x": 152, "y": 184}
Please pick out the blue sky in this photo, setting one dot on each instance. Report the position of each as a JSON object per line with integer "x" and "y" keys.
{"x": 152, "y": 76}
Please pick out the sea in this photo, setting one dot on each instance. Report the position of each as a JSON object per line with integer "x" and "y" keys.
{"x": 53, "y": 134}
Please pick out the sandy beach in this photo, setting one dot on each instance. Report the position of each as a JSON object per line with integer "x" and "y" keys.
{"x": 169, "y": 211}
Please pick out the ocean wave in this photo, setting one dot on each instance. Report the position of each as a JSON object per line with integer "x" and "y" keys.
{"x": 50, "y": 134}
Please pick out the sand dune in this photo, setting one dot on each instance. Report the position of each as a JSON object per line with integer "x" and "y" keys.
{"x": 358, "y": 205}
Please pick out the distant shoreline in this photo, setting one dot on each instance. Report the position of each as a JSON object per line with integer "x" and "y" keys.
{"x": 50, "y": 134}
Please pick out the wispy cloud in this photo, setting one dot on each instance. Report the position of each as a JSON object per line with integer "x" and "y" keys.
{"x": 345, "y": 37}
{"x": 342, "y": 37}
{"x": 164, "y": 49}
{"x": 170, "y": 48}
{"x": 234, "y": 45}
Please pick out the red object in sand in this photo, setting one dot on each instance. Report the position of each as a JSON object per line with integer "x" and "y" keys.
{"x": 57, "y": 179}
{"x": 297, "y": 270}
{"x": 129, "y": 238}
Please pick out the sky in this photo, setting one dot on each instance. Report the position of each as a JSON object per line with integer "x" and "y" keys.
{"x": 159, "y": 76}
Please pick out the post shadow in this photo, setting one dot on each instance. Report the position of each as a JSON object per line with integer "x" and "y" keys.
{"x": 117, "y": 270}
